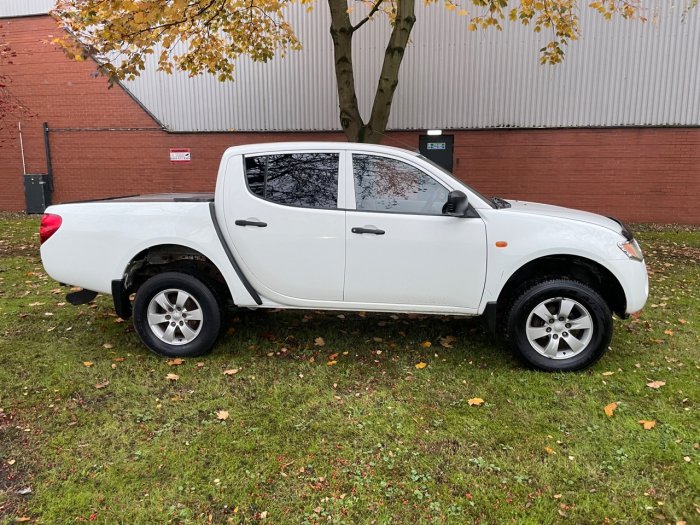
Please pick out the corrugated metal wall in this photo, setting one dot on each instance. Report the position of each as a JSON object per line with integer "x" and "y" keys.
{"x": 620, "y": 73}
{"x": 25, "y": 7}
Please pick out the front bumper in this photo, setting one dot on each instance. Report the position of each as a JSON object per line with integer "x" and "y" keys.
{"x": 634, "y": 280}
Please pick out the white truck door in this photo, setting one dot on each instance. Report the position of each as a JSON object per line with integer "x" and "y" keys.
{"x": 285, "y": 223}
{"x": 400, "y": 249}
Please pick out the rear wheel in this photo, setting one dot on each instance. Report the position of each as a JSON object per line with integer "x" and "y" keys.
{"x": 559, "y": 325}
{"x": 177, "y": 315}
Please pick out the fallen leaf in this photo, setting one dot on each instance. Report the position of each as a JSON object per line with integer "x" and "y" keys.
{"x": 331, "y": 363}
{"x": 475, "y": 402}
{"x": 172, "y": 377}
{"x": 447, "y": 341}
{"x": 176, "y": 362}
{"x": 686, "y": 459}
{"x": 669, "y": 332}
{"x": 421, "y": 365}
{"x": 609, "y": 409}
{"x": 319, "y": 341}
{"x": 426, "y": 344}
{"x": 682, "y": 321}
{"x": 11, "y": 462}
{"x": 119, "y": 359}
{"x": 608, "y": 373}
{"x": 648, "y": 425}
{"x": 107, "y": 346}
{"x": 656, "y": 384}
{"x": 222, "y": 415}
{"x": 101, "y": 385}
{"x": 88, "y": 363}
{"x": 23, "y": 519}
{"x": 549, "y": 450}
{"x": 232, "y": 371}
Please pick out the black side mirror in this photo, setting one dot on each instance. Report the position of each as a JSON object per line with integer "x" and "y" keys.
{"x": 456, "y": 204}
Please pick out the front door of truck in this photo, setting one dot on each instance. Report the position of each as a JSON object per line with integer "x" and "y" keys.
{"x": 400, "y": 248}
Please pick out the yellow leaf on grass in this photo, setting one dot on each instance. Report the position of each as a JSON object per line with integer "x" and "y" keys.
{"x": 101, "y": 385}
{"x": 107, "y": 346}
{"x": 319, "y": 341}
{"x": 426, "y": 344}
{"x": 656, "y": 384}
{"x": 231, "y": 372}
{"x": 222, "y": 415}
{"x": 608, "y": 373}
{"x": 331, "y": 363}
{"x": 648, "y": 425}
{"x": 88, "y": 363}
{"x": 447, "y": 341}
{"x": 172, "y": 377}
{"x": 475, "y": 402}
{"x": 669, "y": 332}
{"x": 421, "y": 365}
{"x": 176, "y": 362}
{"x": 549, "y": 450}
{"x": 609, "y": 409}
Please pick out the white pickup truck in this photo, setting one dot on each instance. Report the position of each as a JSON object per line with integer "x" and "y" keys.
{"x": 341, "y": 226}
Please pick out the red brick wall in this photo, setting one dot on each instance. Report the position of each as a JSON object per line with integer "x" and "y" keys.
{"x": 637, "y": 174}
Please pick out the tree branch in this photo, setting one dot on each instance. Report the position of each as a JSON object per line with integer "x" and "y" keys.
{"x": 362, "y": 22}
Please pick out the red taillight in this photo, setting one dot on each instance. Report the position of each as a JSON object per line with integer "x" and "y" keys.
{"x": 50, "y": 224}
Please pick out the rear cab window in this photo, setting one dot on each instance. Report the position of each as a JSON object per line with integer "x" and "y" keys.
{"x": 306, "y": 180}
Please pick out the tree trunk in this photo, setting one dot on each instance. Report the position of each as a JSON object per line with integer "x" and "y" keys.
{"x": 389, "y": 76}
{"x": 342, "y": 32}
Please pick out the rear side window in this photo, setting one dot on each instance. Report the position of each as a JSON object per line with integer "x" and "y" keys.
{"x": 309, "y": 180}
{"x": 389, "y": 185}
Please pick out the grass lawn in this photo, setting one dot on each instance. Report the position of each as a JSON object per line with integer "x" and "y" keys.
{"x": 325, "y": 418}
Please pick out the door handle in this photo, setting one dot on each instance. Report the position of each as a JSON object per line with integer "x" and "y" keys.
{"x": 373, "y": 231}
{"x": 245, "y": 222}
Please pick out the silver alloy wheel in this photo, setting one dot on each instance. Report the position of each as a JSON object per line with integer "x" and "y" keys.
{"x": 559, "y": 328}
{"x": 175, "y": 317}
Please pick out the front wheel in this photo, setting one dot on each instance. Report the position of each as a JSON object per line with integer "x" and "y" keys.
{"x": 559, "y": 325}
{"x": 177, "y": 315}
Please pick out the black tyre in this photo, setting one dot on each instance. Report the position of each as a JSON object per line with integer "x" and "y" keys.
{"x": 559, "y": 325}
{"x": 177, "y": 315}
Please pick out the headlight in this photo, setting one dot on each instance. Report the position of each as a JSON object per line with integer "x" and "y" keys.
{"x": 632, "y": 250}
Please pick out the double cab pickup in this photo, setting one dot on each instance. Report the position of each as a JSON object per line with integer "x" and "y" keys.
{"x": 353, "y": 227}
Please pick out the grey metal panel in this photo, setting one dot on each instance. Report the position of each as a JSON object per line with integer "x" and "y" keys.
{"x": 620, "y": 73}
{"x": 10, "y": 8}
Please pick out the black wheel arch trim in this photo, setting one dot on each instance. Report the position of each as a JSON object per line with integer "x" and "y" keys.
{"x": 120, "y": 296}
{"x": 249, "y": 287}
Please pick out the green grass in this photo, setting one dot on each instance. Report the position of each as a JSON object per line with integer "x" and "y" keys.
{"x": 368, "y": 439}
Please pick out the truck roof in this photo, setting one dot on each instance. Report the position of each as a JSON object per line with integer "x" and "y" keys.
{"x": 267, "y": 147}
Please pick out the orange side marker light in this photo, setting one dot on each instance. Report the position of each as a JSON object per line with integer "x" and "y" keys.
{"x": 501, "y": 244}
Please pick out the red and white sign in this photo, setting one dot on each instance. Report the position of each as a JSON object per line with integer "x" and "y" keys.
{"x": 180, "y": 155}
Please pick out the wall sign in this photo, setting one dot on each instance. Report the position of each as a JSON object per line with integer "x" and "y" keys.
{"x": 180, "y": 155}
{"x": 437, "y": 145}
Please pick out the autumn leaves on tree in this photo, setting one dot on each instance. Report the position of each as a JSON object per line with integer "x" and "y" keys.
{"x": 207, "y": 36}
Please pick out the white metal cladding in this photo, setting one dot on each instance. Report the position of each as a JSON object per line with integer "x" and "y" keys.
{"x": 10, "y": 8}
{"x": 619, "y": 73}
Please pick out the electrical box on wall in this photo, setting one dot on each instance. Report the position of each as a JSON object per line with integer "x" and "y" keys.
{"x": 37, "y": 192}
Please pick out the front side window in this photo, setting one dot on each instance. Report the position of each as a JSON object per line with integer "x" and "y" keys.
{"x": 308, "y": 180}
{"x": 389, "y": 185}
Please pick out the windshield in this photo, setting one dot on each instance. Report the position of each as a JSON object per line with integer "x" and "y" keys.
{"x": 443, "y": 170}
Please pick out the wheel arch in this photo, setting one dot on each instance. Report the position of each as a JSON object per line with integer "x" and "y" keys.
{"x": 564, "y": 266}
{"x": 161, "y": 258}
